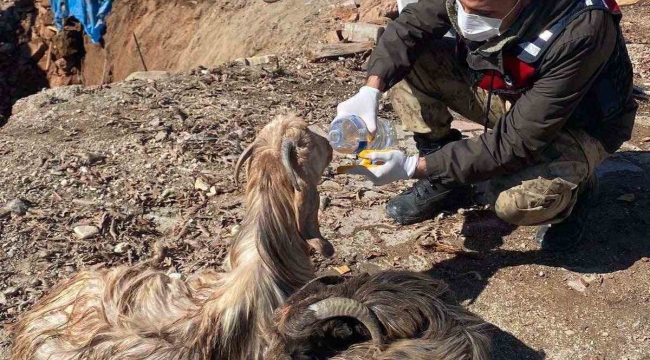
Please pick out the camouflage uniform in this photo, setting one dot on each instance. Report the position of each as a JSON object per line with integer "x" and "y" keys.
{"x": 544, "y": 193}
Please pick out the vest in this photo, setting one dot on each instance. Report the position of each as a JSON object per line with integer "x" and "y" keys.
{"x": 520, "y": 64}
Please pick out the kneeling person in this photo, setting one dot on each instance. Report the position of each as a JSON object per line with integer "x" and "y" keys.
{"x": 553, "y": 81}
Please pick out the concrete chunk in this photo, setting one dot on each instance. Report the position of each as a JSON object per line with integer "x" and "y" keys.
{"x": 362, "y": 32}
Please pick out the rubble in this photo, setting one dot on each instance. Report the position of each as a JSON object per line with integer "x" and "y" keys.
{"x": 200, "y": 184}
{"x": 86, "y": 231}
{"x": 362, "y": 32}
{"x": 258, "y": 60}
{"x": 579, "y": 284}
{"x": 335, "y": 51}
{"x": 148, "y": 76}
{"x": 15, "y": 207}
{"x": 143, "y": 191}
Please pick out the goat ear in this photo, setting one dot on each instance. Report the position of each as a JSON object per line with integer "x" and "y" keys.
{"x": 242, "y": 159}
{"x": 317, "y": 130}
{"x": 321, "y": 245}
{"x": 288, "y": 148}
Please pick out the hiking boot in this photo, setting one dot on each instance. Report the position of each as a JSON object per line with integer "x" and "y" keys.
{"x": 569, "y": 233}
{"x": 426, "y": 199}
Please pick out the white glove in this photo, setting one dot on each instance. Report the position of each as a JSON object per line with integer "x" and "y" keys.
{"x": 387, "y": 166}
{"x": 365, "y": 105}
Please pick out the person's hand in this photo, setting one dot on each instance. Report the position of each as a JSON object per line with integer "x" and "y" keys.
{"x": 386, "y": 166}
{"x": 365, "y": 105}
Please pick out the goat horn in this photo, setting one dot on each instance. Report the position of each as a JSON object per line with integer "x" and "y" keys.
{"x": 289, "y": 146}
{"x": 242, "y": 159}
{"x": 343, "y": 307}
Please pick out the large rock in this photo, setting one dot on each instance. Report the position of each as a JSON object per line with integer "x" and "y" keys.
{"x": 375, "y": 11}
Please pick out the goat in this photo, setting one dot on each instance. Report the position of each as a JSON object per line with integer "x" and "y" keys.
{"x": 140, "y": 313}
{"x": 387, "y": 316}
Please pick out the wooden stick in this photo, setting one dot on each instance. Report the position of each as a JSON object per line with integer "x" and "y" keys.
{"x": 104, "y": 69}
{"x": 326, "y": 51}
{"x": 137, "y": 45}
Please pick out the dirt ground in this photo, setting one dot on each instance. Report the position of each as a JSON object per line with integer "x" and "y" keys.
{"x": 126, "y": 158}
{"x": 180, "y": 34}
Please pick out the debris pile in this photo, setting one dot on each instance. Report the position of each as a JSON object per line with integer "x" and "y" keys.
{"x": 94, "y": 177}
{"x": 360, "y": 25}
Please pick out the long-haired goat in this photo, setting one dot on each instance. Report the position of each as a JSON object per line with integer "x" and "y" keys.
{"x": 387, "y": 316}
{"x": 140, "y": 313}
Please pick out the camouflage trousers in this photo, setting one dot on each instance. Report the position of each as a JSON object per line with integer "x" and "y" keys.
{"x": 544, "y": 193}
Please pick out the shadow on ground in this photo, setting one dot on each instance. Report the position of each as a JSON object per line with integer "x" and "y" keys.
{"x": 616, "y": 237}
{"x": 19, "y": 74}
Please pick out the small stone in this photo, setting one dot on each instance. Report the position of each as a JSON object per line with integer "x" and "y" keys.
{"x": 200, "y": 184}
{"x": 331, "y": 185}
{"x": 213, "y": 191}
{"x": 375, "y": 254}
{"x": 64, "y": 182}
{"x": 627, "y": 198}
{"x": 167, "y": 193}
{"x": 324, "y": 202}
{"x": 91, "y": 158}
{"x": 605, "y": 334}
{"x": 3, "y": 299}
{"x": 11, "y": 291}
{"x": 578, "y": 285}
{"x": 121, "y": 248}
{"x": 155, "y": 122}
{"x": 86, "y": 231}
{"x": 36, "y": 282}
{"x": 343, "y": 269}
{"x": 161, "y": 135}
{"x": 645, "y": 259}
{"x": 257, "y": 60}
{"x": 207, "y": 79}
{"x": 541, "y": 274}
{"x": 591, "y": 278}
{"x": 570, "y": 332}
{"x": 16, "y": 207}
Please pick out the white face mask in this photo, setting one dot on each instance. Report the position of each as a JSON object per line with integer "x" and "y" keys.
{"x": 479, "y": 28}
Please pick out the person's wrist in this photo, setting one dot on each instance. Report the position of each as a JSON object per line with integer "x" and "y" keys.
{"x": 420, "y": 171}
{"x": 376, "y": 82}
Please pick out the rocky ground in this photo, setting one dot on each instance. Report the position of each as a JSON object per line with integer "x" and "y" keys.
{"x": 102, "y": 173}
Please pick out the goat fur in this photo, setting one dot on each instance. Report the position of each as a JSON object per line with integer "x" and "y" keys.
{"x": 140, "y": 313}
{"x": 419, "y": 318}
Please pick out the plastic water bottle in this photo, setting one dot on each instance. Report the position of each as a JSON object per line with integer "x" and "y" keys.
{"x": 349, "y": 135}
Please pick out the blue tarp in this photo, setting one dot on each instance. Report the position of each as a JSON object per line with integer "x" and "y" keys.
{"x": 90, "y": 13}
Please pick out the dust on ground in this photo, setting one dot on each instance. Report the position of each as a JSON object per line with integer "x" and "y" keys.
{"x": 153, "y": 160}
